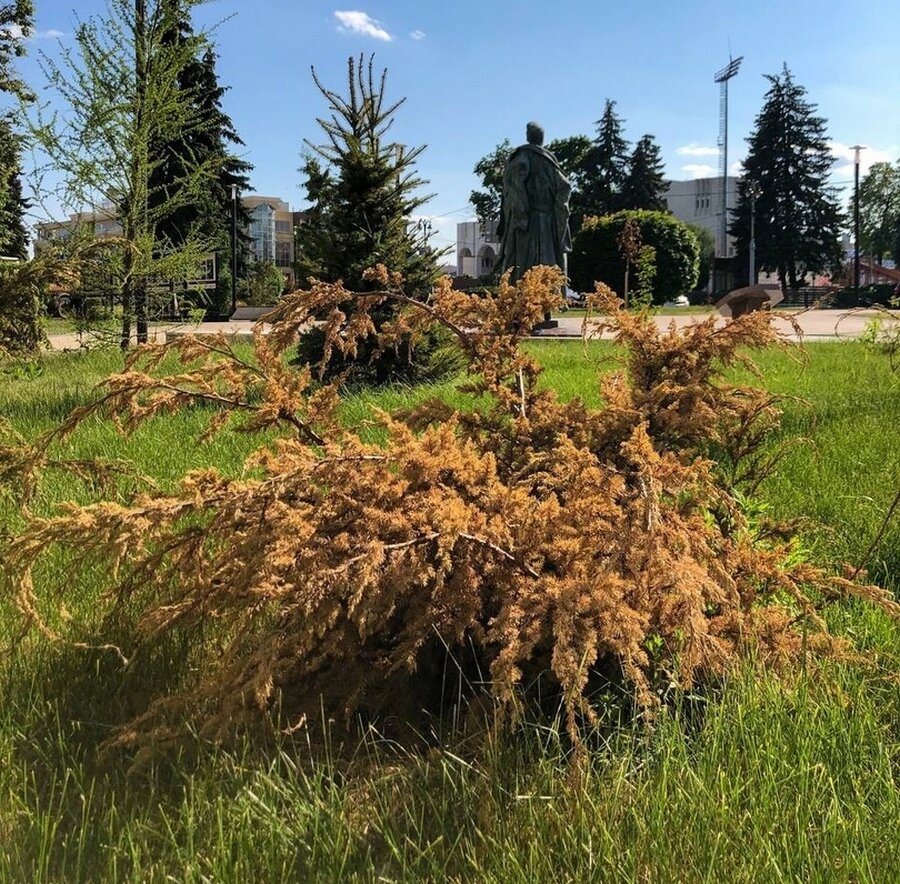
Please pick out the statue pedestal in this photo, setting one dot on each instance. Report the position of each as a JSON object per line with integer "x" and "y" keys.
{"x": 545, "y": 325}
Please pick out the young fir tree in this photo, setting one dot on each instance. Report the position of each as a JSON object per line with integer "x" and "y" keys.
{"x": 363, "y": 191}
{"x": 606, "y": 165}
{"x": 208, "y": 216}
{"x": 798, "y": 221}
{"x": 16, "y": 20}
{"x": 120, "y": 97}
{"x": 645, "y": 182}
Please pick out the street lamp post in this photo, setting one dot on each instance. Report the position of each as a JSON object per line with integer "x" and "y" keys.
{"x": 234, "y": 261}
{"x": 856, "y": 149}
{"x": 754, "y": 191}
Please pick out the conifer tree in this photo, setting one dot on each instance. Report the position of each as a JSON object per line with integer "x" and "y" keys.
{"x": 13, "y": 232}
{"x": 798, "y": 221}
{"x": 208, "y": 216}
{"x": 16, "y": 21}
{"x": 606, "y": 165}
{"x": 645, "y": 182}
{"x": 364, "y": 190}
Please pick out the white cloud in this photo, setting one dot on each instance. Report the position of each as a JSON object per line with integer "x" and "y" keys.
{"x": 417, "y": 35}
{"x": 736, "y": 168}
{"x": 355, "y": 22}
{"x": 699, "y": 170}
{"x": 17, "y": 33}
{"x": 843, "y": 158}
{"x": 697, "y": 150}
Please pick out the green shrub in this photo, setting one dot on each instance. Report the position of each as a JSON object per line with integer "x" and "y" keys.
{"x": 595, "y": 254}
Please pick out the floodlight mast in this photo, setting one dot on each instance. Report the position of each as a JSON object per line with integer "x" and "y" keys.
{"x": 722, "y": 77}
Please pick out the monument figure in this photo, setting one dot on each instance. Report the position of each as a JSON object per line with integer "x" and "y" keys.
{"x": 534, "y": 208}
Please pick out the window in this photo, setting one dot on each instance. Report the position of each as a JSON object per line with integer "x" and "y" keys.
{"x": 282, "y": 226}
{"x": 282, "y": 254}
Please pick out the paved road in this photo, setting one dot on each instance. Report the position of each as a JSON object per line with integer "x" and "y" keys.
{"x": 814, "y": 324}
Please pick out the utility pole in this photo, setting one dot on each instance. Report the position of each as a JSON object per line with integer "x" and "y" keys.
{"x": 754, "y": 191}
{"x": 140, "y": 163}
{"x": 234, "y": 254}
{"x": 856, "y": 149}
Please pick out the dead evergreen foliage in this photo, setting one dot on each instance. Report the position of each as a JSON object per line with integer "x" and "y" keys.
{"x": 546, "y": 536}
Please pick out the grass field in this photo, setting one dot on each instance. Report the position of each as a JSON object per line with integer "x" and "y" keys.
{"x": 763, "y": 780}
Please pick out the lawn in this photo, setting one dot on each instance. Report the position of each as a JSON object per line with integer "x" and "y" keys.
{"x": 763, "y": 780}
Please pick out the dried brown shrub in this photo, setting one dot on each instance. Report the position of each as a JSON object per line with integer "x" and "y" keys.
{"x": 545, "y": 535}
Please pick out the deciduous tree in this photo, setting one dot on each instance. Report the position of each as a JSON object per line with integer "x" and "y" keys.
{"x": 879, "y": 210}
{"x": 119, "y": 97}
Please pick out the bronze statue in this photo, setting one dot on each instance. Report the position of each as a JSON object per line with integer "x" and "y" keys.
{"x": 534, "y": 212}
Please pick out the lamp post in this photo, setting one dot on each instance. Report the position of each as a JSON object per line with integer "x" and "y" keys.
{"x": 754, "y": 191}
{"x": 856, "y": 149}
{"x": 234, "y": 261}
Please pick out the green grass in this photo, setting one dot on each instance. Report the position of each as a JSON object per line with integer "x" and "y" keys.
{"x": 763, "y": 780}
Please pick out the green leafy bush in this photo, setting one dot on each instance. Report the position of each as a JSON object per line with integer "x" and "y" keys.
{"x": 596, "y": 255}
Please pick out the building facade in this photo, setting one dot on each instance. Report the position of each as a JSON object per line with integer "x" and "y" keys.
{"x": 477, "y": 248}
{"x": 699, "y": 202}
{"x": 271, "y": 230}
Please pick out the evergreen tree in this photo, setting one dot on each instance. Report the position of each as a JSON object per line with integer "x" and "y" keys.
{"x": 13, "y": 232}
{"x": 16, "y": 20}
{"x": 208, "y": 216}
{"x": 364, "y": 191}
{"x": 645, "y": 182}
{"x": 798, "y": 221}
{"x": 606, "y": 165}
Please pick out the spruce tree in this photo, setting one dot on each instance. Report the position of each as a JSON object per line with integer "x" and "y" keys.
{"x": 364, "y": 191}
{"x": 208, "y": 216}
{"x": 13, "y": 232}
{"x": 798, "y": 221}
{"x": 16, "y": 20}
{"x": 645, "y": 182}
{"x": 606, "y": 165}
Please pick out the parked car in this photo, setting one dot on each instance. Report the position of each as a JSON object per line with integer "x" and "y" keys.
{"x": 680, "y": 301}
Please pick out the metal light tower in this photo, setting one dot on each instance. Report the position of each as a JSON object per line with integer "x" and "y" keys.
{"x": 722, "y": 77}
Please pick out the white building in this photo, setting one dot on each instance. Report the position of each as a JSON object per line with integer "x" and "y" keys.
{"x": 477, "y": 248}
{"x": 699, "y": 201}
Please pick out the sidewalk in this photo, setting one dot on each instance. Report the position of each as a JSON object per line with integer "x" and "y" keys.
{"x": 815, "y": 325}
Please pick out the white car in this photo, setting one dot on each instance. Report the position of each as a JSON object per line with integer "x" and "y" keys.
{"x": 680, "y": 301}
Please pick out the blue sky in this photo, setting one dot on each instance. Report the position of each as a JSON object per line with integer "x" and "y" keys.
{"x": 474, "y": 73}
